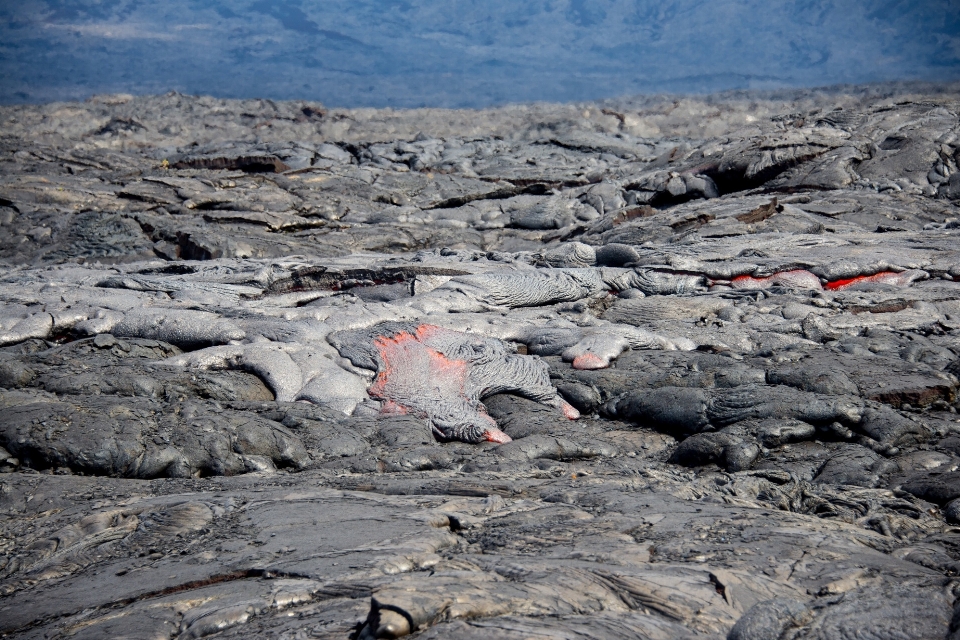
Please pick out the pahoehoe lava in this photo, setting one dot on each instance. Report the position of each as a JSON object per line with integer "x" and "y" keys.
{"x": 653, "y": 367}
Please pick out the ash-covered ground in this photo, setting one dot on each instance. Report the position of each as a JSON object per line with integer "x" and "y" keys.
{"x": 653, "y": 368}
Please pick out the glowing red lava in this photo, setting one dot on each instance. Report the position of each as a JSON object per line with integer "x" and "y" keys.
{"x": 803, "y": 279}
{"x": 884, "y": 277}
{"x": 417, "y": 379}
{"x": 569, "y": 411}
{"x": 589, "y": 361}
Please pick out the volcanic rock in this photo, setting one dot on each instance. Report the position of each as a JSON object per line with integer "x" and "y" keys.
{"x": 367, "y": 374}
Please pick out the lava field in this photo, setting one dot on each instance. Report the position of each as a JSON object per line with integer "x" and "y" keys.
{"x": 662, "y": 367}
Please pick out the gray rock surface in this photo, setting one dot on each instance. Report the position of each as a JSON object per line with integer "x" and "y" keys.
{"x": 498, "y": 374}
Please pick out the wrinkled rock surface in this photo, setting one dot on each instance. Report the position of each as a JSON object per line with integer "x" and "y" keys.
{"x": 670, "y": 368}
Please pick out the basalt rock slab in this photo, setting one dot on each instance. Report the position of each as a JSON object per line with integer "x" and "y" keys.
{"x": 498, "y": 374}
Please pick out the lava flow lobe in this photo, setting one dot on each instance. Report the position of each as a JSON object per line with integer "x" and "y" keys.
{"x": 440, "y": 375}
{"x": 421, "y": 380}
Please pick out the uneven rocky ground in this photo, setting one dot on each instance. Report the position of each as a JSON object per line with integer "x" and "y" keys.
{"x": 650, "y": 368}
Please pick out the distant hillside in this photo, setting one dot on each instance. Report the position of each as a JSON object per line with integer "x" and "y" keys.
{"x": 409, "y": 53}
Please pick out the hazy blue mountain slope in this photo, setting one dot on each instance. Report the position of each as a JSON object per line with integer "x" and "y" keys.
{"x": 465, "y": 52}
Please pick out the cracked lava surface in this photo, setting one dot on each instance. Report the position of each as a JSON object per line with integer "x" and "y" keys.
{"x": 657, "y": 367}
